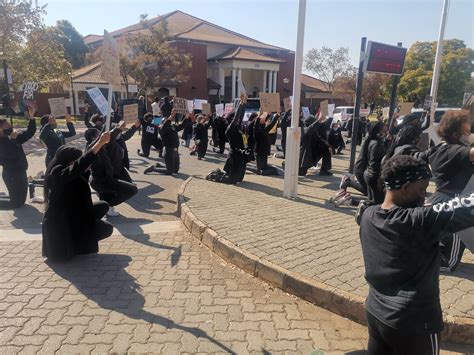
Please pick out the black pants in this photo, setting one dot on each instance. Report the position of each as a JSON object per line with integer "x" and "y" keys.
{"x": 171, "y": 160}
{"x": 221, "y": 144}
{"x": 17, "y": 186}
{"x": 101, "y": 229}
{"x": 384, "y": 340}
{"x": 263, "y": 168}
{"x": 374, "y": 188}
{"x": 360, "y": 184}
{"x": 115, "y": 192}
{"x": 324, "y": 154}
{"x": 147, "y": 144}
{"x": 202, "y": 149}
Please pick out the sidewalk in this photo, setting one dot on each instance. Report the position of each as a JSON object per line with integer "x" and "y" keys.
{"x": 307, "y": 246}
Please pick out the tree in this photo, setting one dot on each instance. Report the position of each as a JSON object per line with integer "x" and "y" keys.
{"x": 328, "y": 65}
{"x": 455, "y": 73}
{"x": 74, "y": 46}
{"x": 154, "y": 60}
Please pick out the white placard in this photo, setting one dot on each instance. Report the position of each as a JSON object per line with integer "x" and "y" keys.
{"x": 190, "y": 105}
{"x": 220, "y": 110}
{"x": 130, "y": 113}
{"x": 331, "y": 108}
{"x": 99, "y": 100}
{"x": 198, "y": 104}
{"x": 110, "y": 70}
{"x": 57, "y": 106}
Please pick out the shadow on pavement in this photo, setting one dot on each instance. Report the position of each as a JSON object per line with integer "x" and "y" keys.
{"x": 463, "y": 271}
{"x": 27, "y": 217}
{"x": 92, "y": 274}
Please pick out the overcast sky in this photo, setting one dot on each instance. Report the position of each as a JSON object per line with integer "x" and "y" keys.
{"x": 333, "y": 23}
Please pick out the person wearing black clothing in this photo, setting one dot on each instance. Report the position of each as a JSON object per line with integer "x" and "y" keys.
{"x": 150, "y": 136}
{"x": 14, "y": 163}
{"x": 249, "y": 130}
{"x": 284, "y": 124}
{"x": 400, "y": 246}
{"x": 405, "y": 143}
{"x": 52, "y": 137}
{"x": 374, "y": 152}
{"x": 72, "y": 223}
{"x": 335, "y": 139}
{"x": 187, "y": 134}
{"x": 201, "y": 135}
{"x": 219, "y": 124}
{"x": 166, "y": 107}
{"x": 112, "y": 184}
{"x": 121, "y": 140}
{"x": 239, "y": 153}
{"x": 263, "y": 143}
{"x": 169, "y": 134}
{"x": 452, "y": 162}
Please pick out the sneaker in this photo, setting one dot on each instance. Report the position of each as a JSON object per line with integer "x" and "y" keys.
{"x": 337, "y": 196}
{"x": 344, "y": 181}
{"x": 345, "y": 200}
{"x": 325, "y": 173}
{"x": 148, "y": 170}
{"x": 112, "y": 213}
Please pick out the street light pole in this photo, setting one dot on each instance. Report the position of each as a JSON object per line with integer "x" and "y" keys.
{"x": 294, "y": 132}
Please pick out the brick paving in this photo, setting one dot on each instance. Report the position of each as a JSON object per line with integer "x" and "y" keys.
{"x": 153, "y": 290}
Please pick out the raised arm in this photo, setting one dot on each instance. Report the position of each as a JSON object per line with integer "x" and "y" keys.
{"x": 24, "y": 136}
{"x": 71, "y": 132}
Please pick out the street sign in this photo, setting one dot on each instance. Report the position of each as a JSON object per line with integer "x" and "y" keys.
{"x": 384, "y": 58}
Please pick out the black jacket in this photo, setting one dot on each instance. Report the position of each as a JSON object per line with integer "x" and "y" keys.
{"x": 201, "y": 132}
{"x": 263, "y": 141}
{"x": 234, "y": 133}
{"x": 12, "y": 155}
{"x": 54, "y": 138}
{"x": 169, "y": 134}
{"x": 149, "y": 131}
{"x": 187, "y": 128}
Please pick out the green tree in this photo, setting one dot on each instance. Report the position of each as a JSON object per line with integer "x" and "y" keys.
{"x": 73, "y": 43}
{"x": 455, "y": 74}
{"x": 328, "y": 65}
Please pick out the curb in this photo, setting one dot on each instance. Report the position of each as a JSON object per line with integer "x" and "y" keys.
{"x": 456, "y": 329}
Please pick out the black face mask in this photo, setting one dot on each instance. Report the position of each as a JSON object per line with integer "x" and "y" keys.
{"x": 8, "y": 131}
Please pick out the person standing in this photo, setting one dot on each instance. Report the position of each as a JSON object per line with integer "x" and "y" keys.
{"x": 52, "y": 137}
{"x": 187, "y": 130}
{"x": 72, "y": 223}
{"x": 14, "y": 163}
{"x": 400, "y": 245}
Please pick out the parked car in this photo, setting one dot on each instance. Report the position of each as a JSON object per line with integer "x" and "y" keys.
{"x": 421, "y": 113}
{"x": 343, "y": 114}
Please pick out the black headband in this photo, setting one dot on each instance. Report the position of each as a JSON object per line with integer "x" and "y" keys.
{"x": 412, "y": 174}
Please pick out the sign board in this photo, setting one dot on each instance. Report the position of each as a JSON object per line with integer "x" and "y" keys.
{"x": 29, "y": 88}
{"x": 99, "y": 100}
{"x": 130, "y": 113}
{"x": 180, "y": 105}
{"x": 331, "y": 108}
{"x": 467, "y": 235}
{"x": 305, "y": 111}
{"x": 386, "y": 112}
{"x": 427, "y": 103}
{"x": 287, "y": 104}
{"x": 228, "y": 108}
{"x": 269, "y": 102}
{"x": 190, "y": 105}
{"x": 405, "y": 108}
{"x": 206, "y": 109}
{"x": 220, "y": 110}
{"x": 364, "y": 112}
{"x": 324, "y": 108}
{"x": 57, "y": 106}
{"x": 384, "y": 58}
{"x": 110, "y": 69}
{"x": 198, "y": 104}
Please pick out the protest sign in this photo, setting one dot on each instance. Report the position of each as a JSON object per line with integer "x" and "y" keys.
{"x": 427, "y": 103}
{"x": 157, "y": 121}
{"x": 110, "y": 68}
{"x": 229, "y": 108}
{"x": 386, "y": 112}
{"x": 57, "y": 106}
{"x": 287, "y": 103}
{"x": 269, "y": 102}
{"x": 190, "y": 105}
{"x": 198, "y": 104}
{"x": 96, "y": 95}
{"x": 180, "y": 105}
{"x": 331, "y": 108}
{"x": 405, "y": 108}
{"x": 130, "y": 113}
{"x": 206, "y": 109}
{"x": 29, "y": 88}
{"x": 364, "y": 112}
{"x": 305, "y": 111}
{"x": 324, "y": 108}
{"x": 220, "y": 110}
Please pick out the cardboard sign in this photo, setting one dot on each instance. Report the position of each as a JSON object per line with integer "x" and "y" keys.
{"x": 198, "y": 104}
{"x": 331, "y": 108}
{"x": 220, "y": 110}
{"x": 306, "y": 112}
{"x": 229, "y": 108}
{"x": 110, "y": 69}
{"x": 100, "y": 101}
{"x": 190, "y": 105}
{"x": 364, "y": 112}
{"x": 206, "y": 109}
{"x": 405, "y": 108}
{"x": 180, "y": 105}
{"x": 386, "y": 112}
{"x": 57, "y": 106}
{"x": 269, "y": 102}
{"x": 287, "y": 104}
{"x": 324, "y": 108}
{"x": 130, "y": 113}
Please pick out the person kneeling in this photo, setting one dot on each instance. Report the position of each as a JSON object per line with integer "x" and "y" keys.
{"x": 72, "y": 224}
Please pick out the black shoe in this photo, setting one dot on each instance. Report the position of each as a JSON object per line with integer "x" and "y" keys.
{"x": 148, "y": 170}
{"x": 325, "y": 173}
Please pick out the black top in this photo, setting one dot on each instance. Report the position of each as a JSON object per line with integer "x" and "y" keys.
{"x": 187, "y": 128}
{"x": 201, "y": 132}
{"x": 401, "y": 256}
{"x": 263, "y": 140}
{"x": 166, "y": 109}
{"x": 149, "y": 130}
{"x": 237, "y": 138}
{"x": 451, "y": 166}
{"x": 375, "y": 153}
{"x": 169, "y": 134}
{"x": 55, "y": 138}
{"x": 412, "y": 150}
{"x": 12, "y": 155}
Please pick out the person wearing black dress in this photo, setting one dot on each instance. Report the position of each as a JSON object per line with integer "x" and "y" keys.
{"x": 72, "y": 223}
{"x": 150, "y": 136}
{"x": 263, "y": 142}
{"x": 52, "y": 137}
{"x": 14, "y": 163}
{"x": 201, "y": 135}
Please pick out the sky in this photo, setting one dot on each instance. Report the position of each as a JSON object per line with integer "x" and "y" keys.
{"x": 331, "y": 23}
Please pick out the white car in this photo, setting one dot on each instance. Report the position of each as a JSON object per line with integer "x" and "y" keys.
{"x": 343, "y": 114}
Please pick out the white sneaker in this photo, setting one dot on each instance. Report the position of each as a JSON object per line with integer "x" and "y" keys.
{"x": 112, "y": 213}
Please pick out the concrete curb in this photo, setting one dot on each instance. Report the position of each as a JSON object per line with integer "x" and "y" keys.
{"x": 456, "y": 329}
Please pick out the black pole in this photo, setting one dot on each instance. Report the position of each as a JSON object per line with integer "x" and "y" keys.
{"x": 355, "y": 120}
{"x": 393, "y": 96}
